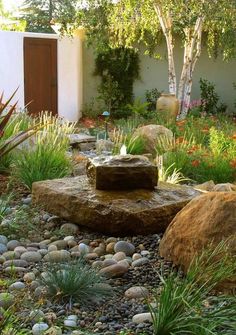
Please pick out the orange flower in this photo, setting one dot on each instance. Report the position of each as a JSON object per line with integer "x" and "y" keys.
{"x": 233, "y": 163}
{"x": 233, "y": 137}
{"x": 205, "y": 130}
{"x": 181, "y": 123}
{"x": 195, "y": 163}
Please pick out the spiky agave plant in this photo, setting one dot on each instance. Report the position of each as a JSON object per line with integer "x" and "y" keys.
{"x": 6, "y": 112}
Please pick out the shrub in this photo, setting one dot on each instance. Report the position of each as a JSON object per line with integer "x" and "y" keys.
{"x": 210, "y": 99}
{"x": 180, "y": 303}
{"x": 151, "y": 98}
{"x": 75, "y": 281}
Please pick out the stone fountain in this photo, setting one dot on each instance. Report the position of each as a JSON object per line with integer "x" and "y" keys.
{"x": 119, "y": 196}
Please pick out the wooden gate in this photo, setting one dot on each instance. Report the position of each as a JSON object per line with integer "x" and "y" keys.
{"x": 40, "y": 75}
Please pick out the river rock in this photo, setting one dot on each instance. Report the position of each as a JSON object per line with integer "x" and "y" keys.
{"x": 115, "y": 270}
{"x": 39, "y": 328}
{"x": 70, "y": 228}
{"x": 3, "y": 248}
{"x": 119, "y": 256}
{"x": 16, "y": 262}
{"x": 207, "y": 219}
{"x": 57, "y": 256}
{"x": 31, "y": 256}
{"x": 3, "y": 239}
{"x": 17, "y": 286}
{"x": 117, "y": 212}
{"x": 11, "y": 245}
{"x": 124, "y": 172}
{"x": 142, "y": 317}
{"x": 140, "y": 262}
{"x": 127, "y": 248}
{"x": 136, "y": 292}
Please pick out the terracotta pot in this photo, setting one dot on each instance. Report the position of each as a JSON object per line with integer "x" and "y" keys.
{"x": 168, "y": 103}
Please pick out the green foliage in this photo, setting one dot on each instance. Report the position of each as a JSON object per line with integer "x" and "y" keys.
{"x": 10, "y": 324}
{"x": 41, "y": 163}
{"x": 4, "y": 206}
{"x": 45, "y": 157}
{"x": 75, "y": 281}
{"x": 139, "y": 108}
{"x": 151, "y": 97}
{"x": 19, "y": 122}
{"x": 210, "y": 99}
{"x": 180, "y": 303}
{"x": 134, "y": 144}
{"x": 7, "y": 142}
{"x": 118, "y": 68}
{"x": 39, "y": 15}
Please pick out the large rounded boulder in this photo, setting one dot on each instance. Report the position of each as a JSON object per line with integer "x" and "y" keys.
{"x": 150, "y": 134}
{"x": 206, "y": 219}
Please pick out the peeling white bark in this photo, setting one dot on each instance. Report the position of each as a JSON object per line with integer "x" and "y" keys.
{"x": 192, "y": 51}
{"x": 166, "y": 25}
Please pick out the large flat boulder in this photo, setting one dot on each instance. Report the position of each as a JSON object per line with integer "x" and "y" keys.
{"x": 207, "y": 219}
{"x": 122, "y": 172}
{"x": 112, "y": 212}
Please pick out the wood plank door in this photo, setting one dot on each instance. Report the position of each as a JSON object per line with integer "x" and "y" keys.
{"x": 40, "y": 75}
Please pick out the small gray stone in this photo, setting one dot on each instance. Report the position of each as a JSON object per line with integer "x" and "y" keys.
{"x": 70, "y": 323}
{"x": 10, "y": 255}
{"x": 39, "y": 328}
{"x": 70, "y": 228}
{"x": 14, "y": 269}
{"x": 124, "y": 246}
{"x": 140, "y": 262}
{"x": 142, "y": 317}
{"x": 31, "y": 256}
{"x": 17, "y": 286}
{"x": 57, "y": 256}
{"x": 3, "y": 239}
{"x": 3, "y": 248}
{"x": 16, "y": 263}
{"x": 6, "y": 300}
{"x": 136, "y": 292}
{"x": 83, "y": 248}
{"x": 60, "y": 244}
{"x": 11, "y": 245}
{"x": 27, "y": 201}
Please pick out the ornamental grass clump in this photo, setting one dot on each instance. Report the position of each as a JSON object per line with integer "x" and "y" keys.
{"x": 134, "y": 144}
{"x": 45, "y": 157}
{"x": 75, "y": 281}
{"x": 184, "y": 304}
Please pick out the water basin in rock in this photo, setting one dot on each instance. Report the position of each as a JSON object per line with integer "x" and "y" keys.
{"x": 120, "y": 213}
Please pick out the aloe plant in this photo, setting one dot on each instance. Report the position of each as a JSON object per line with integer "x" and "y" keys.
{"x": 6, "y": 111}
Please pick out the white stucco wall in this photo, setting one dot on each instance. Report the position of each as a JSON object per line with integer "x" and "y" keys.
{"x": 154, "y": 74}
{"x": 70, "y": 80}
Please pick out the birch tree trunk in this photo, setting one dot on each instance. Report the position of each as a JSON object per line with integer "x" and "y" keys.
{"x": 166, "y": 25}
{"x": 192, "y": 51}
